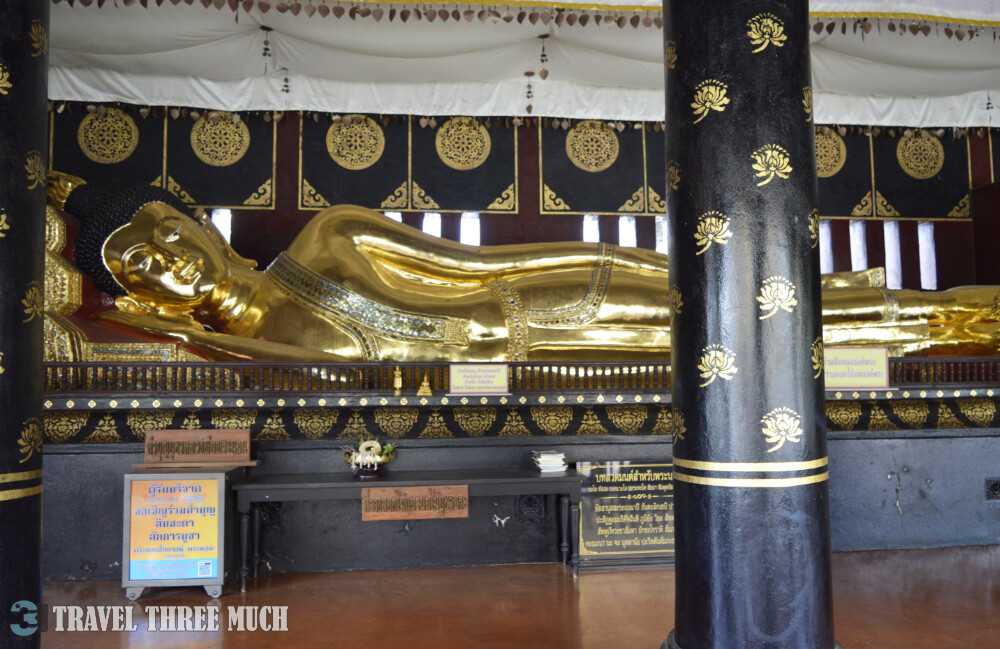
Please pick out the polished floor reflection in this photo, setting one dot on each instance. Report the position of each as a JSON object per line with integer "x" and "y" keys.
{"x": 944, "y": 598}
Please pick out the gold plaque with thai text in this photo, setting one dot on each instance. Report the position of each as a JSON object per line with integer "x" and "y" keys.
{"x": 409, "y": 503}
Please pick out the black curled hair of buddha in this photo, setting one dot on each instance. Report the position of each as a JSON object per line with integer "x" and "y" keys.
{"x": 102, "y": 209}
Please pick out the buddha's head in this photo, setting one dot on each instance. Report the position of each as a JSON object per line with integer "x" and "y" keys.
{"x": 138, "y": 242}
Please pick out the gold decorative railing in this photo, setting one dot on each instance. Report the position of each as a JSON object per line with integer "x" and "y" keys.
{"x": 340, "y": 378}
{"x": 378, "y": 377}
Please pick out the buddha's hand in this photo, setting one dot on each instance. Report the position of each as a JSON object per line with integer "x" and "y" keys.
{"x": 182, "y": 330}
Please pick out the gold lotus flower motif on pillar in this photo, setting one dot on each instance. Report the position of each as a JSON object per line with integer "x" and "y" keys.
{"x": 670, "y": 55}
{"x": 807, "y": 102}
{"x": 776, "y": 292}
{"x": 717, "y": 361}
{"x": 713, "y": 227}
{"x": 673, "y": 175}
{"x": 35, "y": 167}
{"x": 766, "y": 29}
{"x": 709, "y": 95}
{"x": 31, "y": 438}
{"x": 781, "y": 425}
{"x": 817, "y": 357}
{"x": 5, "y": 84}
{"x": 770, "y": 161}
{"x": 676, "y": 302}
{"x": 814, "y": 228}
{"x": 34, "y": 301}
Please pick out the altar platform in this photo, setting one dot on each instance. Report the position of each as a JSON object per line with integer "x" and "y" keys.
{"x": 943, "y": 598}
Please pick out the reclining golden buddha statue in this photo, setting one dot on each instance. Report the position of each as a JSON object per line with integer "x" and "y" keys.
{"x": 355, "y": 285}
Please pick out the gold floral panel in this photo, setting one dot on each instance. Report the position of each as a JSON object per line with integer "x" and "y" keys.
{"x": 121, "y": 142}
{"x": 221, "y": 159}
{"x": 601, "y": 167}
{"x": 465, "y": 164}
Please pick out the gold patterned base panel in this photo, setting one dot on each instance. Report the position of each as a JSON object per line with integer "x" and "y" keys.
{"x": 103, "y": 426}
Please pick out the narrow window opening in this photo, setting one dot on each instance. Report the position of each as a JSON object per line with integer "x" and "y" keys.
{"x": 859, "y": 246}
{"x": 626, "y": 232}
{"x": 893, "y": 258}
{"x": 468, "y": 229}
{"x": 928, "y": 256}
{"x": 223, "y": 220}
{"x": 825, "y": 247}
{"x": 395, "y": 216}
{"x": 662, "y": 235}
{"x": 432, "y": 223}
{"x": 591, "y": 228}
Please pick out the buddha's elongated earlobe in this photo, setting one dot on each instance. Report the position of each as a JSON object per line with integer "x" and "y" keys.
{"x": 206, "y": 222}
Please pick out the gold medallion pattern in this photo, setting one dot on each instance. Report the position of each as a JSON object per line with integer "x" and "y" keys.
{"x": 463, "y": 143}
{"x": 831, "y": 152}
{"x": 709, "y": 95}
{"x": 39, "y": 38}
{"x": 230, "y": 418}
{"x": 31, "y": 438}
{"x": 143, "y": 421}
{"x": 781, "y": 425}
{"x": 5, "y": 84}
{"x": 713, "y": 227}
{"x": 920, "y": 157}
{"x": 514, "y": 426}
{"x": 108, "y": 138}
{"x": 591, "y": 424}
{"x": 553, "y": 420}
{"x": 475, "y": 420}
{"x": 717, "y": 361}
{"x": 844, "y": 414}
{"x": 978, "y": 411}
{"x": 912, "y": 413}
{"x": 34, "y": 167}
{"x": 104, "y": 432}
{"x": 764, "y": 30}
{"x": 817, "y": 357}
{"x": 219, "y": 140}
{"x": 776, "y": 292}
{"x": 629, "y": 419}
{"x": 64, "y": 425}
{"x": 356, "y": 142}
{"x": 592, "y": 146}
{"x": 769, "y": 161}
{"x": 314, "y": 423}
{"x": 436, "y": 427}
{"x": 396, "y": 422}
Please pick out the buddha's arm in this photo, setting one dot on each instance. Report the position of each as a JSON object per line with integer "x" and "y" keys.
{"x": 218, "y": 346}
{"x": 410, "y": 251}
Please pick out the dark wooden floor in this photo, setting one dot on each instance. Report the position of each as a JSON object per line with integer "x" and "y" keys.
{"x": 916, "y": 599}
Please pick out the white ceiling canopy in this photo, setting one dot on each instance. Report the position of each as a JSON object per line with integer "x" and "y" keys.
{"x": 913, "y": 64}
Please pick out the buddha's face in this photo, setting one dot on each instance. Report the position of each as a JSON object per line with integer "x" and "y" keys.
{"x": 164, "y": 258}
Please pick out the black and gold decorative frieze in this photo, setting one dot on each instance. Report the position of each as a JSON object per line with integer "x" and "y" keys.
{"x": 82, "y": 422}
{"x": 402, "y": 163}
{"x": 208, "y": 159}
{"x": 892, "y": 173}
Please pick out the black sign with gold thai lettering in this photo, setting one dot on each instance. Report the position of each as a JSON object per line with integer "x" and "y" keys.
{"x": 110, "y": 143}
{"x": 221, "y": 159}
{"x": 592, "y": 168}
{"x": 626, "y": 512}
{"x": 357, "y": 159}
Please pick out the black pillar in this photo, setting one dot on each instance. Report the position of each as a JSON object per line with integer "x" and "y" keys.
{"x": 752, "y": 522}
{"x": 24, "y": 50}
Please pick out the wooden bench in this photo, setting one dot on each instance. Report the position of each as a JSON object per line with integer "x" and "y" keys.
{"x": 342, "y": 486}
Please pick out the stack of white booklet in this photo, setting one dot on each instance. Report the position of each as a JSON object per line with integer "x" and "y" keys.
{"x": 549, "y": 460}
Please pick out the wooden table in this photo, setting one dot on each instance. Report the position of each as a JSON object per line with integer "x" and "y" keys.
{"x": 342, "y": 486}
